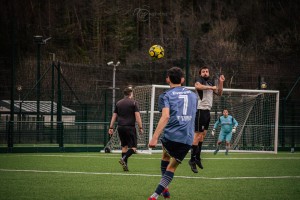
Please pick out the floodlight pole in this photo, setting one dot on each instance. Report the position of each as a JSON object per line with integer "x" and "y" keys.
{"x": 38, "y": 87}
{"x": 38, "y": 39}
{"x": 111, "y": 63}
{"x": 19, "y": 89}
{"x": 114, "y": 89}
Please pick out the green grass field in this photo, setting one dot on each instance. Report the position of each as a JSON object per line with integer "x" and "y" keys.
{"x": 100, "y": 176}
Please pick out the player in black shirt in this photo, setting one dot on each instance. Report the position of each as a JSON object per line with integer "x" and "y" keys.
{"x": 127, "y": 113}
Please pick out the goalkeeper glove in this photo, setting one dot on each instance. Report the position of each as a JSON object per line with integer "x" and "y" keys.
{"x": 234, "y": 130}
{"x": 213, "y": 132}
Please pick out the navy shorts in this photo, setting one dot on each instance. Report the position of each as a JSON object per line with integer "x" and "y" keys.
{"x": 127, "y": 135}
{"x": 176, "y": 150}
{"x": 202, "y": 120}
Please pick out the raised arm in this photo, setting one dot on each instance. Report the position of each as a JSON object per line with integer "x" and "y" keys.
{"x": 199, "y": 86}
{"x": 219, "y": 89}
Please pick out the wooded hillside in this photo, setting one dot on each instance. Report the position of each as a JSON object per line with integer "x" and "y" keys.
{"x": 246, "y": 39}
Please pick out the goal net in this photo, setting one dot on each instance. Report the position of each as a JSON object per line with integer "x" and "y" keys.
{"x": 255, "y": 110}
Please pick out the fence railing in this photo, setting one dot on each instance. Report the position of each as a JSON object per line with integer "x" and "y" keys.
{"x": 92, "y": 134}
{"x": 64, "y": 134}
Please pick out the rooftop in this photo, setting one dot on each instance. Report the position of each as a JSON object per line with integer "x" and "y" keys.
{"x": 30, "y": 107}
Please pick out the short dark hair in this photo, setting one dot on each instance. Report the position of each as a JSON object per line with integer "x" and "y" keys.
{"x": 127, "y": 91}
{"x": 175, "y": 74}
{"x": 203, "y": 67}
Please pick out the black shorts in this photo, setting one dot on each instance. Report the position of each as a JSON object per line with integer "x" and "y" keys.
{"x": 127, "y": 135}
{"x": 175, "y": 149}
{"x": 202, "y": 120}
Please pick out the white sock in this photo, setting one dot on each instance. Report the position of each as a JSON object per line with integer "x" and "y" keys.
{"x": 154, "y": 195}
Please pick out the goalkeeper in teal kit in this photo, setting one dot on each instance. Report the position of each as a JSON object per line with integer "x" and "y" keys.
{"x": 228, "y": 127}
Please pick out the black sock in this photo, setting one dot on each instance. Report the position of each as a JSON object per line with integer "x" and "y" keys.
{"x": 194, "y": 151}
{"x": 123, "y": 157}
{"x": 199, "y": 150}
{"x": 163, "y": 166}
{"x": 128, "y": 154}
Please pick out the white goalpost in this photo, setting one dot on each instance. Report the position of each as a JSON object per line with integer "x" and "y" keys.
{"x": 257, "y": 112}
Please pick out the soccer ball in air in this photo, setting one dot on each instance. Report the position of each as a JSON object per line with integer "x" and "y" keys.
{"x": 156, "y": 51}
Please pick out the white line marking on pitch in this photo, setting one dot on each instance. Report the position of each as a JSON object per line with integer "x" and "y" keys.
{"x": 151, "y": 158}
{"x": 147, "y": 175}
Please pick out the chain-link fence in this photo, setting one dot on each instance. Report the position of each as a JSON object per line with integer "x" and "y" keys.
{"x": 83, "y": 95}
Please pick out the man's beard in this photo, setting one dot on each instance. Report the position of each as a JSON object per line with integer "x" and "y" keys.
{"x": 206, "y": 78}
